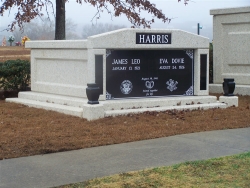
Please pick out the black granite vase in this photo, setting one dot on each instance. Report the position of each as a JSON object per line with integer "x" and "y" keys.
{"x": 93, "y": 92}
{"x": 228, "y": 86}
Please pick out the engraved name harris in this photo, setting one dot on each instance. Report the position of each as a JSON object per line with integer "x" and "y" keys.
{"x": 153, "y": 38}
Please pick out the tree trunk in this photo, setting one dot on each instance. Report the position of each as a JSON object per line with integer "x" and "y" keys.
{"x": 60, "y": 20}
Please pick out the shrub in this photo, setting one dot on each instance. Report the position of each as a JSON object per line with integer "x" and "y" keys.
{"x": 15, "y": 74}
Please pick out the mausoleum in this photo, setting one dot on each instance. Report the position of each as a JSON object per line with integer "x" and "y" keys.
{"x": 137, "y": 70}
{"x": 231, "y": 48}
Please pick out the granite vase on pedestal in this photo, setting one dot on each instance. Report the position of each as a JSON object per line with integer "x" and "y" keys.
{"x": 228, "y": 86}
{"x": 93, "y": 92}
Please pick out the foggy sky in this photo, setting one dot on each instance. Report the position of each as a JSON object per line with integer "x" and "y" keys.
{"x": 183, "y": 17}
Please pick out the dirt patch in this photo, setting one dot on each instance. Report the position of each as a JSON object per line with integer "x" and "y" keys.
{"x": 29, "y": 131}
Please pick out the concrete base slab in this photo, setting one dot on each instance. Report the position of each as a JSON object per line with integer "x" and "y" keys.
{"x": 70, "y": 110}
{"x": 78, "y": 106}
{"x": 92, "y": 112}
{"x": 229, "y": 100}
{"x": 53, "y": 98}
{"x": 162, "y": 109}
{"x": 239, "y": 89}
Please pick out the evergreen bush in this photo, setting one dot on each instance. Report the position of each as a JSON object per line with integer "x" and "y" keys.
{"x": 15, "y": 75}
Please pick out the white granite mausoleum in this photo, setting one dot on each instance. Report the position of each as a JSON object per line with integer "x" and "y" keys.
{"x": 61, "y": 70}
{"x": 231, "y": 48}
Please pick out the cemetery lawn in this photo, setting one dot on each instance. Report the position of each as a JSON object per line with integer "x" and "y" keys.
{"x": 232, "y": 171}
{"x": 13, "y": 53}
{"x": 27, "y": 131}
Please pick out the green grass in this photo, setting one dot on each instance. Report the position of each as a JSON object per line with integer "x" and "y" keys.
{"x": 230, "y": 172}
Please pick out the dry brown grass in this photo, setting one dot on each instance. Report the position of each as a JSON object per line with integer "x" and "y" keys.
{"x": 28, "y": 131}
{"x": 13, "y": 53}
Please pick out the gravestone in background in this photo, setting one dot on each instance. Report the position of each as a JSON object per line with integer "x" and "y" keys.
{"x": 231, "y": 48}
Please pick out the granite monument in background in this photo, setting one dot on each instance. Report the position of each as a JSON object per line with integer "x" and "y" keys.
{"x": 231, "y": 48}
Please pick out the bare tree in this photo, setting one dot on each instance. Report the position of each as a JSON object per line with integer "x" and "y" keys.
{"x": 71, "y": 29}
{"x": 44, "y": 29}
{"x": 60, "y": 20}
{"x": 91, "y": 29}
{"x": 39, "y": 29}
{"x": 30, "y": 9}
